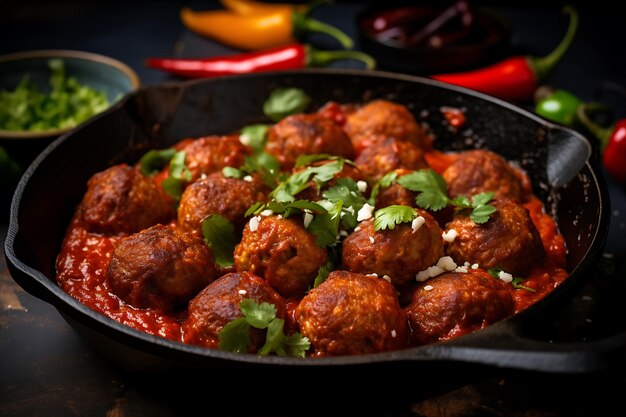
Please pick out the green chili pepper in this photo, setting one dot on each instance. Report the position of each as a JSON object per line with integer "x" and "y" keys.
{"x": 557, "y": 105}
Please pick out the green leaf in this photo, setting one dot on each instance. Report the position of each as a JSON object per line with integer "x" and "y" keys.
{"x": 325, "y": 226}
{"x": 322, "y": 273}
{"x": 276, "y": 341}
{"x": 257, "y": 315}
{"x": 481, "y": 214}
{"x": 432, "y": 189}
{"x": 481, "y": 199}
{"x": 305, "y": 160}
{"x": 388, "y": 217}
{"x": 516, "y": 283}
{"x": 298, "y": 181}
{"x": 153, "y": 161}
{"x": 219, "y": 234}
{"x": 235, "y": 336}
{"x": 254, "y": 136}
{"x": 384, "y": 182}
{"x": 284, "y": 102}
{"x": 230, "y": 172}
{"x": 461, "y": 202}
{"x": 346, "y": 191}
{"x": 264, "y": 164}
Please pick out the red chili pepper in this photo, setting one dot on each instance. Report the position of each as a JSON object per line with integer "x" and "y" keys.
{"x": 612, "y": 142}
{"x": 293, "y": 56}
{"x": 515, "y": 78}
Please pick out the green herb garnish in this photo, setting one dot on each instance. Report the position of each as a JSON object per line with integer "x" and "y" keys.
{"x": 219, "y": 235}
{"x": 388, "y": 217}
{"x": 495, "y": 272}
{"x": 254, "y": 136}
{"x": 235, "y": 336}
{"x": 153, "y": 161}
{"x": 178, "y": 174}
{"x": 67, "y": 104}
{"x": 284, "y": 102}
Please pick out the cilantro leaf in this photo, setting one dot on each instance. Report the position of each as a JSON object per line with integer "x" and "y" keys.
{"x": 432, "y": 189}
{"x": 481, "y": 199}
{"x": 178, "y": 174}
{"x": 481, "y": 214}
{"x": 384, "y": 182}
{"x": 230, "y": 172}
{"x": 346, "y": 191}
{"x": 322, "y": 273}
{"x": 219, "y": 234}
{"x": 235, "y": 336}
{"x": 283, "y": 102}
{"x": 266, "y": 165}
{"x": 388, "y": 217}
{"x": 258, "y": 315}
{"x": 516, "y": 283}
{"x": 305, "y": 160}
{"x": 325, "y": 226}
{"x": 298, "y": 181}
{"x": 277, "y": 341}
{"x": 155, "y": 160}
{"x": 254, "y": 136}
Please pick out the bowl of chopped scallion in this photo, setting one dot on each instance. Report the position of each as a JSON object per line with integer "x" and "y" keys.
{"x": 44, "y": 94}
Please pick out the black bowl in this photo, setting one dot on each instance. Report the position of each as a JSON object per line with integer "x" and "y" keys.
{"x": 557, "y": 159}
{"x": 483, "y": 42}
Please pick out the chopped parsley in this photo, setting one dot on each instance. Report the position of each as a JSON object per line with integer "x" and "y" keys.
{"x": 178, "y": 174}
{"x": 254, "y": 136}
{"x": 67, "y": 104}
{"x": 235, "y": 336}
{"x": 153, "y": 161}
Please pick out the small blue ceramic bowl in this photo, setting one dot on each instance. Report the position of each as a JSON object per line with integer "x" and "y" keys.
{"x": 102, "y": 73}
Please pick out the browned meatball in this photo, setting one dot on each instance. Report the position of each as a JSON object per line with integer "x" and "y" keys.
{"x": 479, "y": 171}
{"x": 303, "y": 134}
{"x": 216, "y": 194}
{"x": 399, "y": 253}
{"x": 210, "y": 154}
{"x": 120, "y": 200}
{"x": 160, "y": 267}
{"x": 388, "y": 154}
{"x": 282, "y": 251}
{"x": 456, "y": 303}
{"x": 380, "y": 119}
{"x": 218, "y": 304}
{"x": 352, "y": 314}
{"x": 509, "y": 240}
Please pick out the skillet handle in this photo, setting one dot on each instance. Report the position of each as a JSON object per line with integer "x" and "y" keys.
{"x": 514, "y": 351}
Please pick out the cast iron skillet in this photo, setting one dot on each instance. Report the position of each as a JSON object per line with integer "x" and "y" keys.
{"x": 558, "y": 160}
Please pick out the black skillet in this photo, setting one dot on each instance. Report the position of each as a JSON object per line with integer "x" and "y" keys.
{"x": 557, "y": 159}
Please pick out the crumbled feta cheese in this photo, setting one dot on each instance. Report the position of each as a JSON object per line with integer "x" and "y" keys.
{"x": 393, "y": 333}
{"x": 449, "y": 235}
{"x": 417, "y": 223}
{"x": 431, "y": 271}
{"x": 362, "y": 186}
{"x": 474, "y": 266}
{"x": 349, "y": 209}
{"x": 386, "y": 278}
{"x": 462, "y": 269}
{"x": 308, "y": 218}
{"x": 428, "y": 287}
{"x": 505, "y": 276}
{"x": 466, "y": 264}
{"x": 254, "y": 223}
{"x": 242, "y": 292}
{"x": 365, "y": 212}
{"x": 328, "y": 206}
{"x": 373, "y": 274}
{"x": 447, "y": 263}
{"x": 356, "y": 229}
{"x": 244, "y": 140}
{"x": 248, "y": 178}
{"x": 343, "y": 233}
{"x": 372, "y": 239}
{"x": 267, "y": 212}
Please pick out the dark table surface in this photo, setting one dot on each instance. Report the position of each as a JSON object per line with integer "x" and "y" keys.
{"x": 47, "y": 369}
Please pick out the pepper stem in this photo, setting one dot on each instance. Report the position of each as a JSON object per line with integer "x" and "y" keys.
{"x": 304, "y": 24}
{"x": 544, "y": 65}
{"x": 316, "y": 58}
{"x": 602, "y": 133}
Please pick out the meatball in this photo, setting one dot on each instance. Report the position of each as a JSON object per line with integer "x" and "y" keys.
{"x": 509, "y": 240}
{"x": 216, "y": 194}
{"x": 218, "y": 304}
{"x": 120, "y": 201}
{"x": 282, "y": 251}
{"x": 381, "y": 119}
{"x": 351, "y": 314}
{"x": 303, "y": 134}
{"x": 160, "y": 267}
{"x": 456, "y": 303}
{"x": 478, "y": 171}
{"x": 210, "y": 154}
{"x": 388, "y": 154}
{"x": 399, "y": 253}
